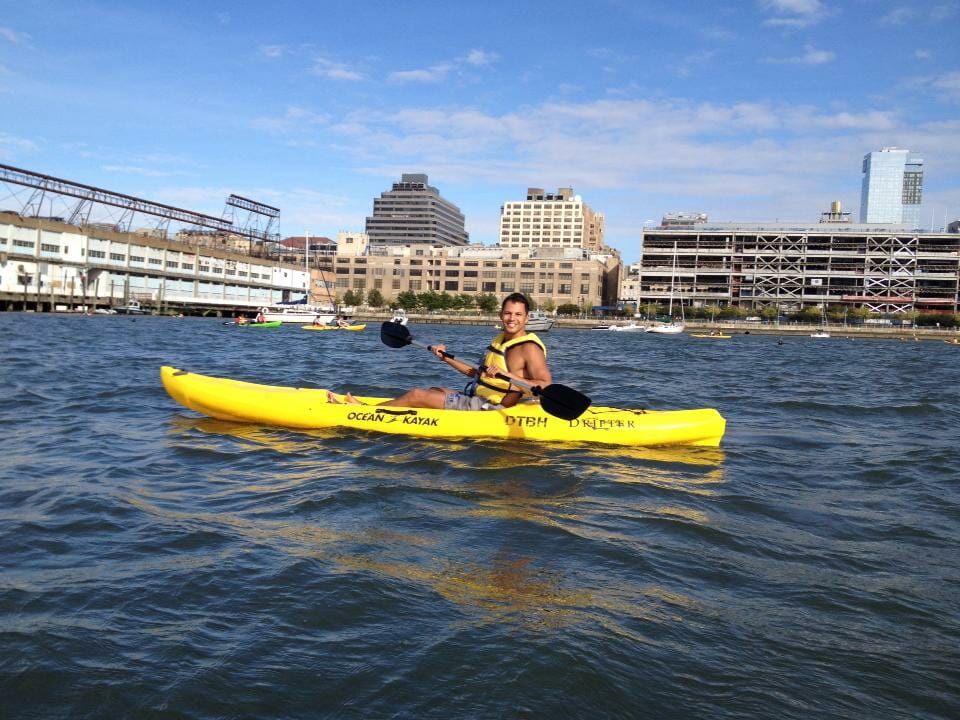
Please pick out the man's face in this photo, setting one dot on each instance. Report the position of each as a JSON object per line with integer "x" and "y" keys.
{"x": 513, "y": 316}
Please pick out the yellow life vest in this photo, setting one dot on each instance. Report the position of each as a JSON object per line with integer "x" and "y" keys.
{"x": 493, "y": 390}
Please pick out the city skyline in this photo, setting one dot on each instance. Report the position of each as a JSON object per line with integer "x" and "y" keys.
{"x": 761, "y": 111}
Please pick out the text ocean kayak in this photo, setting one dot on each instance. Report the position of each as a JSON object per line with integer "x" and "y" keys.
{"x": 307, "y": 408}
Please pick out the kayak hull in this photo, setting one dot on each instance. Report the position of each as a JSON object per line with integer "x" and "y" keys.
{"x": 307, "y": 408}
{"x": 271, "y": 324}
{"x": 355, "y": 328}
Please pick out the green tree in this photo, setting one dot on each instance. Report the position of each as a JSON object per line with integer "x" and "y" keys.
{"x": 463, "y": 302}
{"x": 408, "y": 300}
{"x": 548, "y": 305}
{"x": 810, "y": 314}
{"x": 568, "y": 309}
{"x": 445, "y": 301}
{"x": 352, "y": 299}
{"x": 487, "y": 303}
{"x": 712, "y": 310}
{"x": 858, "y": 314}
{"x": 769, "y": 312}
{"x": 375, "y": 298}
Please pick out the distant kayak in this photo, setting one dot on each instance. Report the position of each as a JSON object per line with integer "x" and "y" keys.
{"x": 272, "y": 324}
{"x": 308, "y": 408}
{"x": 712, "y": 337}
{"x": 334, "y": 327}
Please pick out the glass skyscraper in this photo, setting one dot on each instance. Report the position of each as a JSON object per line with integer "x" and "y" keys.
{"x": 892, "y": 187}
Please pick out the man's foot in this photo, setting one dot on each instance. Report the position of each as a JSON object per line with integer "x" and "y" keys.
{"x": 348, "y": 399}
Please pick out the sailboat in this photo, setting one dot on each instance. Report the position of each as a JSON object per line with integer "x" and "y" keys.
{"x": 672, "y": 327}
{"x": 822, "y": 330}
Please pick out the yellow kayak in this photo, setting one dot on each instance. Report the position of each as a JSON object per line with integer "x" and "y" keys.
{"x": 712, "y": 337}
{"x": 308, "y": 408}
{"x": 333, "y": 327}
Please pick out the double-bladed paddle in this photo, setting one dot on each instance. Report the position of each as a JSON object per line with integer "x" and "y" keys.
{"x": 558, "y": 400}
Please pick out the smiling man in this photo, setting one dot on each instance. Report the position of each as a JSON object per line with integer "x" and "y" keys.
{"x": 514, "y": 353}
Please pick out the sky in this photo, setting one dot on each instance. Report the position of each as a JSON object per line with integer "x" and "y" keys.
{"x": 750, "y": 111}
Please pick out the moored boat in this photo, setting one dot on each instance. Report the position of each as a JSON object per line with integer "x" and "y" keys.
{"x": 307, "y": 408}
{"x": 299, "y": 314}
{"x": 399, "y": 316}
{"x": 672, "y": 328}
{"x": 630, "y": 327}
{"x": 539, "y": 321}
{"x": 131, "y": 307}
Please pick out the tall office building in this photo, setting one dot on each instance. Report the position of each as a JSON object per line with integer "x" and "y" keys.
{"x": 892, "y": 187}
{"x": 414, "y": 212}
{"x": 558, "y": 219}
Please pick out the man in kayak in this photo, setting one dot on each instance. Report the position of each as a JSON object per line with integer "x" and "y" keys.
{"x": 514, "y": 353}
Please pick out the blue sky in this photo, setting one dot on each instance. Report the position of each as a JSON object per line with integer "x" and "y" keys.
{"x": 749, "y": 111}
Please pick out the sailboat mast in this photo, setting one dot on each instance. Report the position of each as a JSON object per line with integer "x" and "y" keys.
{"x": 673, "y": 272}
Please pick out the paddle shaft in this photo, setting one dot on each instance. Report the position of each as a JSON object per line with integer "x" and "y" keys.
{"x": 501, "y": 376}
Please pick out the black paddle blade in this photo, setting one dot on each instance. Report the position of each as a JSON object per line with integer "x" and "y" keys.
{"x": 394, "y": 334}
{"x": 562, "y": 401}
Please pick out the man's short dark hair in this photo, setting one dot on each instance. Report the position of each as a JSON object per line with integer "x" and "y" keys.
{"x": 516, "y": 297}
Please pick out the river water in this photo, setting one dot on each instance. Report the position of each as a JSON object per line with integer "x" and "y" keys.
{"x": 157, "y": 564}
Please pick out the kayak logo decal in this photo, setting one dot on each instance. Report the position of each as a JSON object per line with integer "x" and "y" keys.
{"x": 371, "y": 417}
{"x": 601, "y": 424}
{"x": 523, "y": 421}
{"x": 432, "y": 422}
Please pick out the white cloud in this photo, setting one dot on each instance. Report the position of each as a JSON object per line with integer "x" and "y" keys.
{"x": 140, "y": 170}
{"x": 11, "y": 146}
{"x": 294, "y": 119}
{"x": 271, "y": 51}
{"x": 944, "y": 87}
{"x": 426, "y": 75}
{"x": 793, "y": 13}
{"x": 923, "y": 54}
{"x": 479, "y": 58}
{"x": 333, "y": 70}
{"x": 898, "y": 16}
{"x": 948, "y": 84}
{"x": 17, "y": 38}
{"x": 694, "y": 61}
{"x": 811, "y": 56}
{"x": 442, "y": 70}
